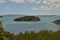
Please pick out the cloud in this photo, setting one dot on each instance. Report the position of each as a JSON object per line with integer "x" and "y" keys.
{"x": 47, "y": 5}
{"x": 34, "y": 8}
{"x": 31, "y": 1}
{"x": 1, "y": 1}
{"x": 51, "y": 2}
{"x": 6, "y": 7}
{"x": 44, "y": 4}
{"x": 17, "y": 1}
{"x": 41, "y": 8}
{"x": 22, "y": 1}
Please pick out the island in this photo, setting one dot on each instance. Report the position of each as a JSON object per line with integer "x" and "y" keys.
{"x": 1, "y": 16}
{"x": 57, "y": 22}
{"x": 27, "y": 18}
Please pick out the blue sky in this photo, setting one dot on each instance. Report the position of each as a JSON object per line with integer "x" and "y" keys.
{"x": 30, "y": 7}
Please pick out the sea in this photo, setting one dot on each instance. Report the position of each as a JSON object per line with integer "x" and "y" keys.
{"x": 16, "y": 27}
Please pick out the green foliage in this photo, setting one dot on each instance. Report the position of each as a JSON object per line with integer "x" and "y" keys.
{"x": 30, "y": 35}
{"x": 0, "y": 21}
{"x": 42, "y": 35}
{"x": 4, "y": 35}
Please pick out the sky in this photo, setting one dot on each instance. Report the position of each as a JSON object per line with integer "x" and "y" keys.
{"x": 29, "y": 7}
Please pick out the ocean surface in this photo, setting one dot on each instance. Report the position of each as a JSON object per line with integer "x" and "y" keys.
{"x": 16, "y": 27}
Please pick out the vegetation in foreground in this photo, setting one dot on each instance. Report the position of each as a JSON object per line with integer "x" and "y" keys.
{"x": 30, "y": 35}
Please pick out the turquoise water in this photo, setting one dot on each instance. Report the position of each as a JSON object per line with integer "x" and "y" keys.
{"x": 16, "y": 27}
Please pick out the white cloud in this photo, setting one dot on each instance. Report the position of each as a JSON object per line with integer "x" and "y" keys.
{"x": 6, "y": 7}
{"x": 51, "y": 2}
{"x": 34, "y": 8}
{"x": 18, "y": 1}
{"x": 47, "y": 5}
{"x": 44, "y": 4}
{"x": 38, "y": 2}
{"x": 31, "y": 1}
{"x": 41, "y": 8}
{"x": 1, "y": 1}
{"x": 22, "y": 1}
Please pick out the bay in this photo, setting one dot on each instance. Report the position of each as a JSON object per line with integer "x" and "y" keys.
{"x": 17, "y": 27}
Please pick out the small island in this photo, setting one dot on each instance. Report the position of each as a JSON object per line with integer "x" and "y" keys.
{"x": 57, "y": 22}
{"x": 27, "y": 18}
{"x": 1, "y": 16}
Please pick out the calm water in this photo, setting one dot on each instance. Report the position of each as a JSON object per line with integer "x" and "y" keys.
{"x": 16, "y": 27}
